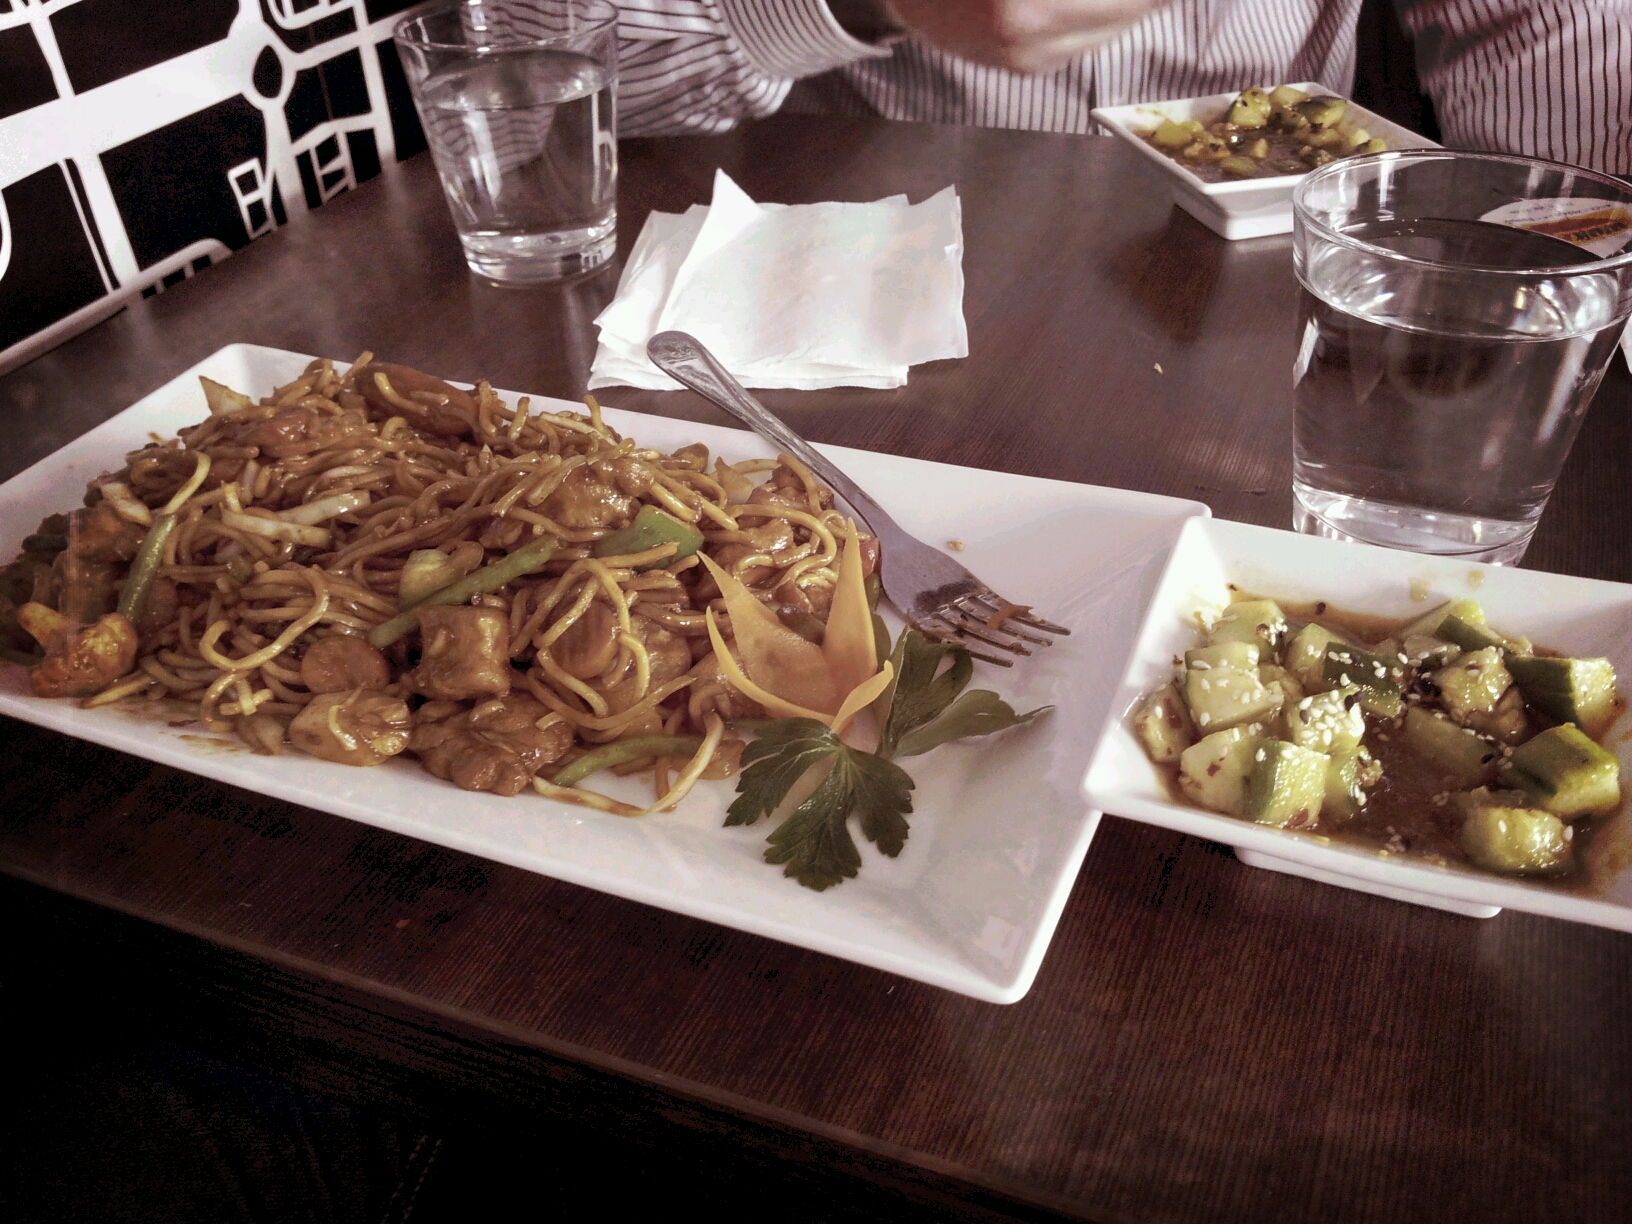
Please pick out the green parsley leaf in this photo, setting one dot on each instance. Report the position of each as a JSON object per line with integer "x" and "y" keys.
{"x": 783, "y": 751}
{"x": 813, "y": 845}
{"x": 917, "y": 694}
{"x": 977, "y": 712}
{"x": 924, "y": 706}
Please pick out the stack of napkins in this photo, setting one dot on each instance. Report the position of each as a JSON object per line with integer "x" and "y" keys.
{"x": 802, "y": 295}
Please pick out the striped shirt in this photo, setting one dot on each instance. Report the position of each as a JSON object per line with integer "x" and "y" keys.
{"x": 1547, "y": 78}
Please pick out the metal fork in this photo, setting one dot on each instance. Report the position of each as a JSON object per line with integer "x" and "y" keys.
{"x": 936, "y": 594}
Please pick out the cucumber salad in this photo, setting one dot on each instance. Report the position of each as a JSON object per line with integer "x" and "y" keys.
{"x": 1446, "y": 739}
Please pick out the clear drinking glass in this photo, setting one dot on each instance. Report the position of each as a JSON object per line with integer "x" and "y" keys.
{"x": 1458, "y": 311}
{"x": 519, "y": 101}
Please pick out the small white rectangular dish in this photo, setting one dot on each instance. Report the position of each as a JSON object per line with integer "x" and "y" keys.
{"x": 999, "y": 827}
{"x": 1579, "y": 616}
{"x": 1245, "y": 208}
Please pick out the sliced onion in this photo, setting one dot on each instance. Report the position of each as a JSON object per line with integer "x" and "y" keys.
{"x": 326, "y": 507}
{"x": 277, "y": 529}
{"x": 124, "y": 503}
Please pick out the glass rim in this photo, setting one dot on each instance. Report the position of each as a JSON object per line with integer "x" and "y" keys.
{"x": 1303, "y": 216}
{"x": 600, "y": 14}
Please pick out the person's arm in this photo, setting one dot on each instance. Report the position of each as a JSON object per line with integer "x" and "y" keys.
{"x": 706, "y": 65}
{"x": 1545, "y": 78}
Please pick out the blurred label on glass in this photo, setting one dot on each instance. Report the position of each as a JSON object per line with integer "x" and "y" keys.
{"x": 1600, "y": 226}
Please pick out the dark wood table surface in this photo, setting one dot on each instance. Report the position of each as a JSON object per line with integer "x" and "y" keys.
{"x": 1204, "y": 1041}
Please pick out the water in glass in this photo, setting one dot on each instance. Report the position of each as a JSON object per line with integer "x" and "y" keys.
{"x": 1434, "y": 418}
{"x": 525, "y": 145}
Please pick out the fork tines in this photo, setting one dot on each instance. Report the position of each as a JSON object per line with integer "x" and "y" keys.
{"x": 991, "y": 620}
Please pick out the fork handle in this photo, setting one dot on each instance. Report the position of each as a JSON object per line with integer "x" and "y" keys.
{"x": 685, "y": 359}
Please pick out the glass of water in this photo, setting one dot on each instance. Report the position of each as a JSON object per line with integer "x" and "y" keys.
{"x": 519, "y": 100}
{"x": 1458, "y": 311}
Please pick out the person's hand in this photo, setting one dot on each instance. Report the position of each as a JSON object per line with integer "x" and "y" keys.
{"x": 1025, "y": 35}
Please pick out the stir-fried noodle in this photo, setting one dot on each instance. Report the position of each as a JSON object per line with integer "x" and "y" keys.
{"x": 370, "y": 561}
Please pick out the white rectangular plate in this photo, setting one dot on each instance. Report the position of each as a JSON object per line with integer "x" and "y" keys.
{"x": 1579, "y": 616}
{"x": 1243, "y": 208}
{"x": 999, "y": 827}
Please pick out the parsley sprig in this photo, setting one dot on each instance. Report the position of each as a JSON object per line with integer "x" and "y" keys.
{"x": 924, "y": 708}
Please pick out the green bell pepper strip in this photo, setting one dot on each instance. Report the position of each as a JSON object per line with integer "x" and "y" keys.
{"x": 527, "y": 559}
{"x": 144, "y": 567}
{"x": 651, "y": 528}
{"x": 620, "y": 752}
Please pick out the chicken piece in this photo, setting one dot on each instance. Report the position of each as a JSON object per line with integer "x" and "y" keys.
{"x": 667, "y": 653}
{"x": 498, "y": 746}
{"x": 339, "y": 663}
{"x": 728, "y": 703}
{"x": 590, "y": 643}
{"x": 78, "y": 662}
{"x": 770, "y": 537}
{"x": 454, "y": 416}
{"x": 355, "y": 728}
{"x": 158, "y": 609}
{"x": 632, "y": 476}
{"x": 814, "y": 598}
{"x": 289, "y": 431}
{"x": 97, "y": 533}
{"x": 586, "y": 500}
{"x": 465, "y": 653}
{"x": 785, "y": 488}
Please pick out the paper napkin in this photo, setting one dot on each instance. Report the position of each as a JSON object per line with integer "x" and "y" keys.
{"x": 801, "y": 295}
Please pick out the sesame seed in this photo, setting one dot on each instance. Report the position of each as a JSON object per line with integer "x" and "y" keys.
{"x": 1306, "y": 703}
{"x": 1200, "y": 665}
{"x": 1205, "y": 718}
{"x": 1344, "y": 678}
{"x": 1205, "y": 686}
{"x": 1569, "y": 833}
{"x": 1501, "y": 826}
{"x": 1259, "y": 756}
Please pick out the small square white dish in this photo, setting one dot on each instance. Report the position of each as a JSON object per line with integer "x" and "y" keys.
{"x": 1244, "y": 208}
{"x": 999, "y": 827}
{"x": 1579, "y": 616}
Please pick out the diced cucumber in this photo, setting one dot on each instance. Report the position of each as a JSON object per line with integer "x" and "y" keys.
{"x": 1286, "y": 96}
{"x": 1326, "y": 722}
{"x": 1213, "y": 772}
{"x": 1462, "y": 758}
{"x": 1466, "y": 610}
{"x": 1471, "y": 636}
{"x": 1251, "y": 109}
{"x": 1275, "y": 676}
{"x": 1286, "y": 786}
{"x": 1468, "y": 802}
{"x": 1222, "y": 688}
{"x": 1426, "y": 651}
{"x": 1475, "y": 682}
{"x": 1171, "y": 135}
{"x": 1258, "y": 622}
{"x": 1344, "y": 794}
{"x": 1378, "y": 679}
{"x": 1567, "y": 772}
{"x": 1243, "y": 656}
{"x": 1580, "y": 691}
{"x": 1516, "y": 841}
{"x": 1507, "y": 723}
{"x": 1306, "y": 656}
{"x": 1163, "y": 725}
{"x": 1323, "y": 112}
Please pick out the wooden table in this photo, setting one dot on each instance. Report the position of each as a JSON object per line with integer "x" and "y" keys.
{"x": 1204, "y": 1041}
